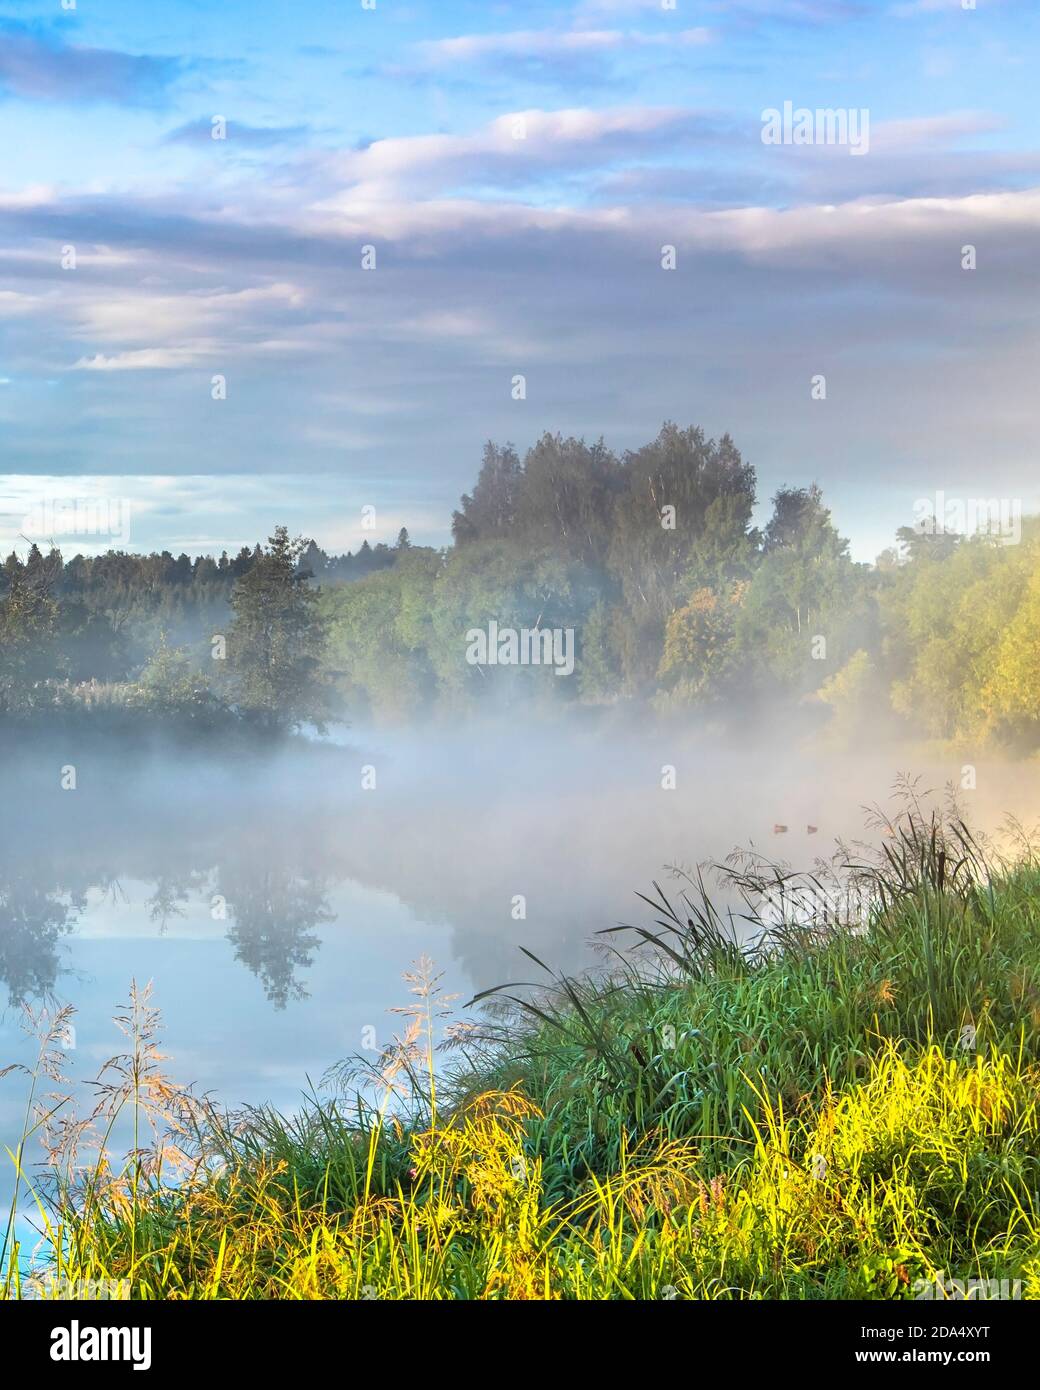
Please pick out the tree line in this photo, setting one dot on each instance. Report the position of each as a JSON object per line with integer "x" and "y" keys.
{"x": 144, "y": 631}
{"x": 676, "y": 600}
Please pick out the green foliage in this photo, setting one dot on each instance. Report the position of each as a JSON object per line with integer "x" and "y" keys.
{"x": 674, "y": 598}
{"x": 599, "y": 669}
{"x": 1010, "y": 694}
{"x": 961, "y": 630}
{"x": 701, "y": 662}
{"x": 275, "y": 640}
{"x": 28, "y": 615}
{"x": 378, "y": 632}
{"x": 798, "y": 1119}
{"x": 804, "y": 590}
{"x": 81, "y": 635}
{"x": 517, "y": 587}
{"x": 854, "y": 695}
{"x": 171, "y": 686}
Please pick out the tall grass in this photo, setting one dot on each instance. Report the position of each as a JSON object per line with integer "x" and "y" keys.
{"x": 782, "y": 1099}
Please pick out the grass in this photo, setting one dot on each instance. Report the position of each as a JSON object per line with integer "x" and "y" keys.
{"x": 843, "y": 1106}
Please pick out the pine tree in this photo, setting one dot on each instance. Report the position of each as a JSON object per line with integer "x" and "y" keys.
{"x": 276, "y": 639}
{"x": 28, "y": 614}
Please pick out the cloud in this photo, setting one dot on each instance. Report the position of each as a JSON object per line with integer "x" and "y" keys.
{"x": 200, "y": 132}
{"x": 552, "y": 155}
{"x": 149, "y": 313}
{"x": 142, "y": 359}
{"x": 467, "y": 292}
{"x": 391, "y": 378}
{"x": 198, "y": 512}
{"x": 926, "y": 132}
{"x": 526, "y": 244}
{"x": 40, "y": 66}
{"x": 787, "y": 11}
{"x": 908, "y": 8}
{"x": 949, "y": 154}
{"x": 514, "y": 147}
{"x": 811, "y": 11}
{"x": 551, "y": 43}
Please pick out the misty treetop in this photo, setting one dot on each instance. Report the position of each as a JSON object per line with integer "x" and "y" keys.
{"x": 275, "y": 640}
{"x": 121, "y": 629}
{"x": 679, "y": 601}
{"x": 651, "y": 559}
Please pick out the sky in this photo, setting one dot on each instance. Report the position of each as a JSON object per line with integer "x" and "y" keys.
{"x": 189, "y": 333}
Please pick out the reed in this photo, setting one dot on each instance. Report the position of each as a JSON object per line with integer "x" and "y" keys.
{"x": 775, "y": 1099}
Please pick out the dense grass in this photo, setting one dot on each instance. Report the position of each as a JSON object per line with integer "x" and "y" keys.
{"x": 839, "y": 1109}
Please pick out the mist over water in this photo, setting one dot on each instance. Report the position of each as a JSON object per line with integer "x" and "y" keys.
{"x": 274, "y": 902}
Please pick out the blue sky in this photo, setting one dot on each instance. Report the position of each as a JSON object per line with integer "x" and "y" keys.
{"x": 396, "y": 127}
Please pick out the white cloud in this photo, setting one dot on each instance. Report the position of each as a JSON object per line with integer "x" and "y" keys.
{"x": 389, "y": 377}
{"x": 145, "y": 316}
{"x": 922, "y": 132}
{"x": 142, "y": 359}
{"x": 515, "y": 143}
{"x": 14, "y": 302}
{"x": 908, "y": 8}
{"x": 200, "y": 512}
{"x": 551, "y": 43}
{"x": 800, "y": 11}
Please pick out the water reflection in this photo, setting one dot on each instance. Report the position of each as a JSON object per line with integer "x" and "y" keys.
{"x": 502, "y": 841}
{"x": 268, "y": 909}
{"x": 272, "y": 912}
{"x": 274, "y": 904}
{"x": 34, "y": 918}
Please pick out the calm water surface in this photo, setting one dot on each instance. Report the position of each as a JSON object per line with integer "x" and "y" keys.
{"x": 274, "y": 904}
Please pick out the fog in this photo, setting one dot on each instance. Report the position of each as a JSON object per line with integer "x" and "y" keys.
{"x": 275, "y": 900}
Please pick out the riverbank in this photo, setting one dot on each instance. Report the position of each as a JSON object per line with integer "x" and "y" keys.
{"x": 847, "y": 1109}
